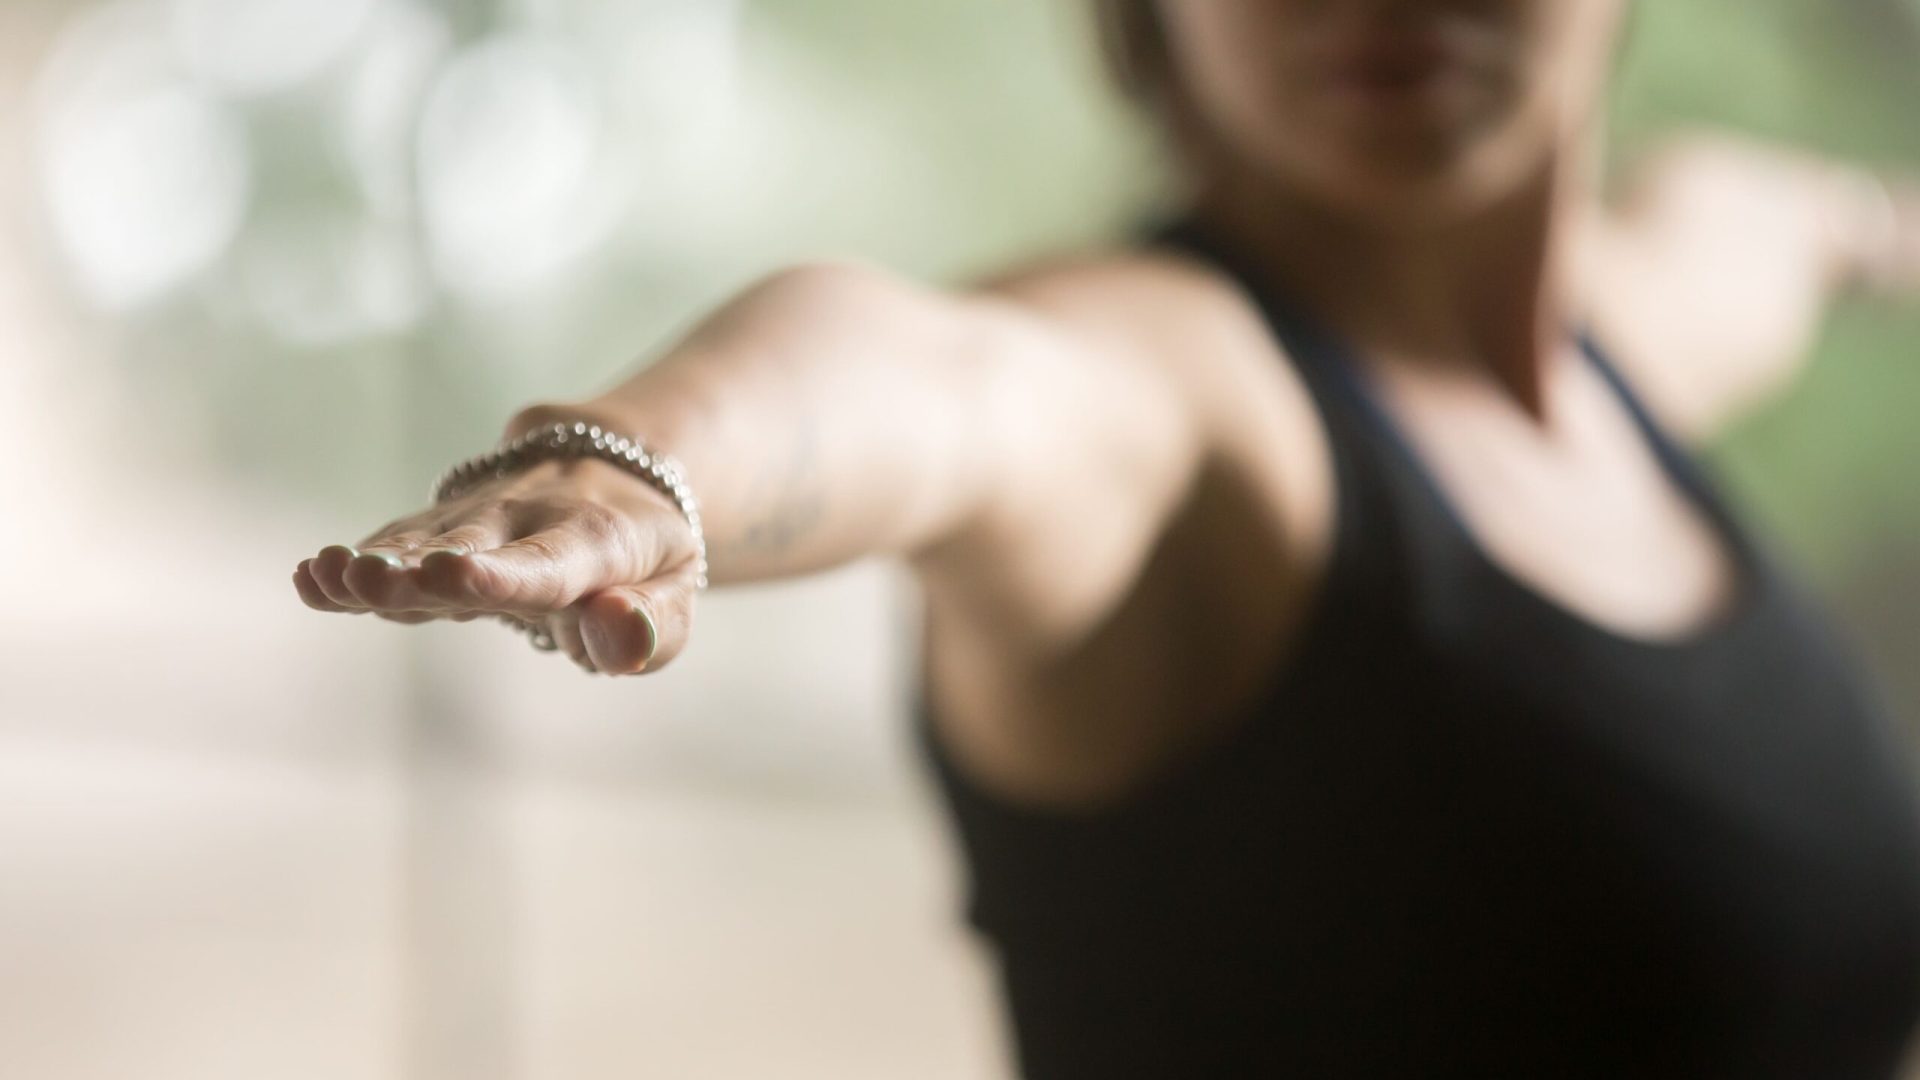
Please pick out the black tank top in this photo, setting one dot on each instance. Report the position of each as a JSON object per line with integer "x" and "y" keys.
{"x": 1469, "y": 833}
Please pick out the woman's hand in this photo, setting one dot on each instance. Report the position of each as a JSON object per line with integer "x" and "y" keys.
{"x": 604, "y": 562}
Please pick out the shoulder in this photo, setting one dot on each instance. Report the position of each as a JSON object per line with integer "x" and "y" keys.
{"x": 1204, "y": 337}
{"x": 1181, "y": 312}
{"x": 1158, "y": 570}
{"x": 1141, "y": 298}
{"x": 1153, "y": 384}
{"x": 1175, "y": 313}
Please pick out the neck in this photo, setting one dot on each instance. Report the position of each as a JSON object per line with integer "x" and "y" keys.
{"x": 1487, "y": 289}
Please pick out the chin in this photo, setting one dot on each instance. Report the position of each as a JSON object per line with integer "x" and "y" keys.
{"x": 1409, "y": 182}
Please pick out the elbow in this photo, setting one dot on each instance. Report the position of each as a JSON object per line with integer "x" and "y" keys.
{"x": 822, "y": 286}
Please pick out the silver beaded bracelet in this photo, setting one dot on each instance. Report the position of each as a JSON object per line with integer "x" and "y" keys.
{"x": 580, "y": 440}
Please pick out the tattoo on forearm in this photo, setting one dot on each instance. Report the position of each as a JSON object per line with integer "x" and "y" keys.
{"x": 792, "y": 495}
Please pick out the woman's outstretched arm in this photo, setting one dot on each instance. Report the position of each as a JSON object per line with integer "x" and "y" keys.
{"x": 1018, "y": 434}
{"x": 1712, "y": 280}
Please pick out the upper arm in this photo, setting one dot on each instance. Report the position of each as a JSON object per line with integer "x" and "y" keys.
{"x": 1093, "y": 428}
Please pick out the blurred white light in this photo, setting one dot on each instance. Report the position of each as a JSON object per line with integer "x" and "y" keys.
{"x": 677, "y": 64}
{"x": 108, "y": 51}
{"x": 249, "y": 47}
{"x": 143, "y": 191}
{"x": 145, "y": 179}
{"x": 381, "y": 98}
{"x": 509, "y": 143}
{"x": 318, "y": 277}
{"x": 689, "y": 122}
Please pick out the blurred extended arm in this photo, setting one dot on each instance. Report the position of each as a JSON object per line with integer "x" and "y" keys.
{"x": 1712, "y": 277}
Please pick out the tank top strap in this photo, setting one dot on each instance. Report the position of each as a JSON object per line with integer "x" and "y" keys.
{"x": 1312, "y": 351}
{"x": 1683, "y": 466}
{"x": 1394, "y": 553}
{"x": 1307, "y": 345}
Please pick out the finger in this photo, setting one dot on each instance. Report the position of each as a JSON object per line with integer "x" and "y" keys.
{"x": 328, "y": 570}
{"x": 378, "y": 580}
{"x": 411, "y": 618}
{"x": 551, "y": 568}
{"x": 389, "y": 582}
{"x": 632, "y": 629}
{"x": 564, "y": 625}
{"x": 309, "y": 589}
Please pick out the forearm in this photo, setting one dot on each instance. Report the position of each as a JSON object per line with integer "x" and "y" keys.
{"x": 1018, "y": 443}
{"x": 828, "y": 413}
{"x": 1714, "y": 277}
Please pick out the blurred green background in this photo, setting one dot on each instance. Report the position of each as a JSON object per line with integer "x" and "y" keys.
{"x": 271, "y": 264}
{"x": 1830, "y": 468}
{"x": 710, "y": 141}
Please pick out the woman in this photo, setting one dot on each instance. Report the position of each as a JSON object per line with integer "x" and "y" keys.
{"x": 1334, "y": 668}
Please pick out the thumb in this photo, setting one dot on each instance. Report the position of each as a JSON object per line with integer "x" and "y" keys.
{"x": 629, "y": 629}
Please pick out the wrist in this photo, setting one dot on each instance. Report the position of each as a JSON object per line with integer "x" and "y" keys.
{"x": 575, "y": 441}
{"x": 1876, "y": 232}
{"x": 667, "y": 416}
{"x": 547, "y": 413}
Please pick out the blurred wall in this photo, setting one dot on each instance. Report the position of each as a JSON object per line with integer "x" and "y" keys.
{"x": 269, "y": 264}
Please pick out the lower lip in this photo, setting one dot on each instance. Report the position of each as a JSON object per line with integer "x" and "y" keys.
{"x": 1392, "y": 72}
{"x": 1390, "y": 85}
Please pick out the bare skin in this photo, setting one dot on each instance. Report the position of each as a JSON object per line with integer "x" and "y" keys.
{"x": 1111, "y": 485}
